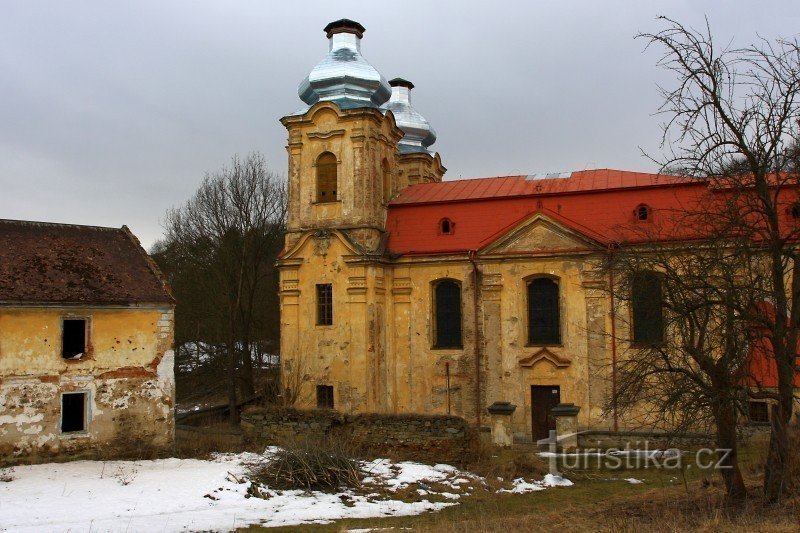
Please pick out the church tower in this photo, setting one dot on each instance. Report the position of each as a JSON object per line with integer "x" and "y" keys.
{"x": 353, "y": 146}
{"x": 342, "y": 146}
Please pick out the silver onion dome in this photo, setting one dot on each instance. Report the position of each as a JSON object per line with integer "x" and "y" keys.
{"x": 418, "y": 133}
{"x": 344, "y": 76}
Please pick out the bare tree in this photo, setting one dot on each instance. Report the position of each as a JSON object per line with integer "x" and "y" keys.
{"x": 732, "y": 116}
{"x": 225, "y": 238}
{"x": 686, "y": 368}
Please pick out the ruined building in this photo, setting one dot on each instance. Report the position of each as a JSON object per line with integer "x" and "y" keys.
{"x": 403, "y": 293}
{"x": 86, "y": 330}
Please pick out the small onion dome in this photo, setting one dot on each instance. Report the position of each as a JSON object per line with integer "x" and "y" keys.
{"x": 418, "y": 133}
{"x": 344, "y": 76}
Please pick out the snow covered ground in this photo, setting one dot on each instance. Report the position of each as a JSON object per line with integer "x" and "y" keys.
{"x": 193, "y": 494}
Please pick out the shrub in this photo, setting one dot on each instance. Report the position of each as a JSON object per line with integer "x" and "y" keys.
{"x": 322, "y": 466}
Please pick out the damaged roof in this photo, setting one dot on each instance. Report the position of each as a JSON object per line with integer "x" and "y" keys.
{"x": 42, "y": 262}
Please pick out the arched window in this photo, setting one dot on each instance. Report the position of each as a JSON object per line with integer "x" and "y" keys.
{"x": 447, "y": 314}
{"x": 794, "y": 211}
{"x": 643, "y": 213}
{"x": 326, "y": 177}
{"x": 647, "y": 309}
{"x": 544, "y": 317}
{"x": 446, "y": 226}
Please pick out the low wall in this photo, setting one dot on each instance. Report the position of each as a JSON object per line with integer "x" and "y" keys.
{"x": 447, "y": 439}
{"x": 604, "y": 440}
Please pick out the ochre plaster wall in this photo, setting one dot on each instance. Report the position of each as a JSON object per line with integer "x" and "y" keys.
{"x": 127, "y": 373}
{"x": 378, "y": 355}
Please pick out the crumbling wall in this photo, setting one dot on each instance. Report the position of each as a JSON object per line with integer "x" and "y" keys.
{"x": 422, "y": 438}
{"x": 127, "y": 376}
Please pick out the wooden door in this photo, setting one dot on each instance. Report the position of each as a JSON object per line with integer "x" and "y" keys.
{"x": 543, "y": 398}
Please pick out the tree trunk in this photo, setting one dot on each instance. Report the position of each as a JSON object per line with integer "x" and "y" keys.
{"x": 777, "y": 478}
{"x": 729, "y": 462}
{"x": 233, "y": 406}
{"x": 247, "y": 387}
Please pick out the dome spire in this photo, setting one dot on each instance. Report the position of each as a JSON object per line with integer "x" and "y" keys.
{"x": 344, "y": 76}
{"x": 418, "y": 133}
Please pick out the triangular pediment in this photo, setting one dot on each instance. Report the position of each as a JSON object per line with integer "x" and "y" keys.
{"x": 544, "y": 355}
{"x": 319, "y": 242}
{"x": 541, "y": 233}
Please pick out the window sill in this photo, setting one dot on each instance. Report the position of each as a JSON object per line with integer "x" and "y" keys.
{"x": 324, "y": 326}
{"x": 326, "y": 202}
{"x": 545, "y": 345}
{"x": 645, "y": 345}
{"x": 445, "y": 348}
{"x": 75, "y": 435}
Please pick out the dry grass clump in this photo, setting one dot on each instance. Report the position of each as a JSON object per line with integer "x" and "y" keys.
{"x": 319, "y": 466}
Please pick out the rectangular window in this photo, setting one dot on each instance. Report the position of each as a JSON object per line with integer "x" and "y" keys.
{"x": 73, "y": 412}
{"x": 647, "y": 309}
{"x": 758, "y": 412}
{"x": 324, "y": 396}
{"x": 324, "y": 304}
{"x": 73, "y": 338}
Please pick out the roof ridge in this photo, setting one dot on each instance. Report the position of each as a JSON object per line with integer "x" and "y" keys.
{"x": 57, "y": 224}
{"x": 508, "y": 176}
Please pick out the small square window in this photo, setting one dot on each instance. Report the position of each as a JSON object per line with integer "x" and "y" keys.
{"x": 73, "y": 412}
{"x": 73, "y": 338}
{"x": 324, "y": 396}
{"x": 758, "y": 412}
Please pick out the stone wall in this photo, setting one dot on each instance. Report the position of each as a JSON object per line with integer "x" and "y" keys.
{"x": 447, "y": 439}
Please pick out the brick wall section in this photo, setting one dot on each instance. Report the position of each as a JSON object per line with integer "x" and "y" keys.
{"x": 432, "y": 439}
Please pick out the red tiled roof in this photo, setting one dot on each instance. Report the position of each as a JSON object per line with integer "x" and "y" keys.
{"x": 63, "y": 263}
{"x": 596, "y": 203}
{"x": 509, "y": 186}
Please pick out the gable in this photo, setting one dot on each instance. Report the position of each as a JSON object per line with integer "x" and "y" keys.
{"x": 319, "y": 243}
{"x": 540, "y": 233}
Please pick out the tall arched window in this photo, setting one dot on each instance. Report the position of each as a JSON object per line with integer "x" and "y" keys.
{"x": 326, "y": 177}
{"x": 647, "y": 305}
{"x": 544, "y": 317}
{"x": 447, "y": 314}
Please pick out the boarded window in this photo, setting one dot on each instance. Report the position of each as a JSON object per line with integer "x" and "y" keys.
{"x": 73, "y": 338}
{"x": 324, "y": 304}
{"x": 544, "y": 317}
{"x": 647, "y": 309}
{"x": 73, "y": 412}
{"x": 447, "y": 298}
{"x": 324, "y": 396}
{"x": 326, "y": 178}
{"x": 758, "y": 412}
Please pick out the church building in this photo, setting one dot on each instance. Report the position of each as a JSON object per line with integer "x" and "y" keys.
{"x": 404, "y": 293}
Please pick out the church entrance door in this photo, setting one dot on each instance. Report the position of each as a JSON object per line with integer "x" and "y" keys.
{"x": 543, "y": 398}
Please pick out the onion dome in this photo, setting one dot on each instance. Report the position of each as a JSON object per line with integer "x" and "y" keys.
{"x": 418, "y": 133}
{"x": 344, "y": 76}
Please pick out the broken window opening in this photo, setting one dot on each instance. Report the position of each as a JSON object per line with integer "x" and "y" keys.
{"x": 73, "y": 338}
{"x": 324, "y": 396}
{"x": 73, "y": 412}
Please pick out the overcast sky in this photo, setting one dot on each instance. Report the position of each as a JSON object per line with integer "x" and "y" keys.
{"x": 111, "y": 112}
